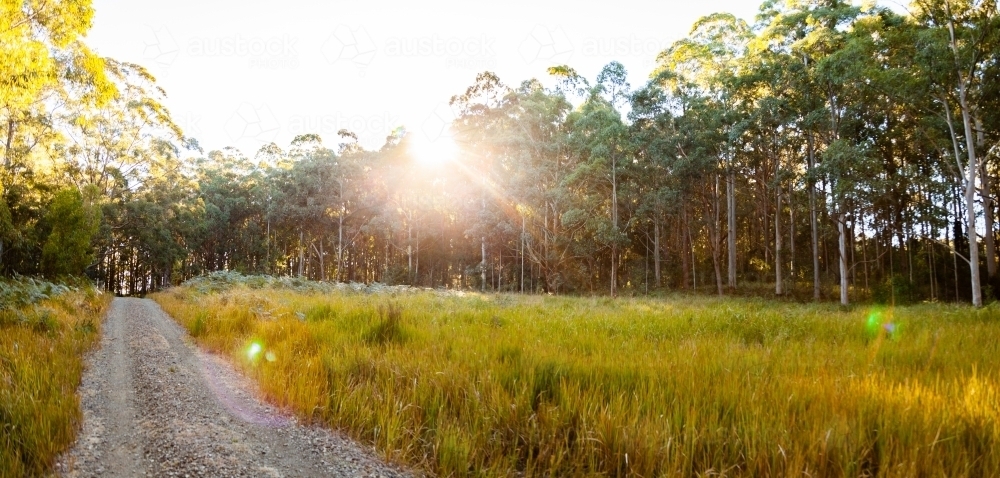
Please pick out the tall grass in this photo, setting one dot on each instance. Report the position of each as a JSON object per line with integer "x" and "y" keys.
{"x": 508, "y": 385}
{"x": 44, "y": 331}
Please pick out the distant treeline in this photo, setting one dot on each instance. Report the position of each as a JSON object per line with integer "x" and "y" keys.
{"x": 826, "y": 149}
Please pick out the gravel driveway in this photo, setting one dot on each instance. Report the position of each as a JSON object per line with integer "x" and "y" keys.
{"x": 155, "y": 405}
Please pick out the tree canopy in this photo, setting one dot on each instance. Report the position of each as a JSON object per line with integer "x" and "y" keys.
{"x": 829, "y": 149}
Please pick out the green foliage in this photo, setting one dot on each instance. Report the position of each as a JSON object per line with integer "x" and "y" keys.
{"x": 25, "y": 291}
{"x": 67, "y": 250}
{"x": 897, "y": 289}
{"x": 6, "y": 226}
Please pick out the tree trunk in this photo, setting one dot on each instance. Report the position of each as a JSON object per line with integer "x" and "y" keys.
{"x": 500, "y": 271}
{"x": 656, "y": 249}
{"x": 523, "y": 238}
{"x": 970, "y": 180}
{"x": 779, "y": 286}
{"x": 302, "y": 253}
{"x": 614, "y": 224}
{"x": 986, "y": 193}
{"x": 340, "y": 244}
{"x": 842, "y": 233}
{"x": 322, "y": 262}
{"x": 714, "y": 235}
{"x": 731, "y": 229}
{"x": 409, "y": 253}
{"x": 813, "y": 224}
{"x": 791, "y": 237}
{"x": 684, "y": 251}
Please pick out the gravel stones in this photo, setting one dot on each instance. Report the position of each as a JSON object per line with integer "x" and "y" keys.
{"x": 155, "y": 405}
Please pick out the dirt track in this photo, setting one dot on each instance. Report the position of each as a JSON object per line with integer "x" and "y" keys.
{"x": 154, "y": 405}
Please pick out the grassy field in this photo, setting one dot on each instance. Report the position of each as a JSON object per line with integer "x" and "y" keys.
{"x": 507, "y": 385}
{"x": 44, "y": 331}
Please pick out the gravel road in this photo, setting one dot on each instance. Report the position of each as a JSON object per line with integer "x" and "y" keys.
{"x": 155, "y": 405}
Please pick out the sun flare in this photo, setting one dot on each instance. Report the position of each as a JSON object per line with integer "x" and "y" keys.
{"x": 434, "y": 151}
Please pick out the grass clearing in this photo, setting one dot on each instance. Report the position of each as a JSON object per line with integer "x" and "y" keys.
{"x": 506, "y": 385}
{"x": 44, "y": 331}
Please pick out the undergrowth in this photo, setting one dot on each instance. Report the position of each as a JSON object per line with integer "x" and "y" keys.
{"x": 45, "y": 329}
{"x": 506, "y": 385}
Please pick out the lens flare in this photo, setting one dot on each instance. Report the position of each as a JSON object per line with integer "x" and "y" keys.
{"x": 874, "y": 321}
{"x": 270, "y": 356}
{"x": 253, "y": 350}
{"x": 879, "y": 323}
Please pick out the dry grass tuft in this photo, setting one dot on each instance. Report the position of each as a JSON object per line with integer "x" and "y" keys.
{"x": 42, "y": 343}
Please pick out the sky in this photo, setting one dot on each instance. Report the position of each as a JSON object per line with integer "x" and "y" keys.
{"x": 246, "y": 73}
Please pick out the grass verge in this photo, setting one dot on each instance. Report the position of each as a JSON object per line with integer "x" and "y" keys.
{"x": 507, "y": 385}
{"x": 44, "y": 331}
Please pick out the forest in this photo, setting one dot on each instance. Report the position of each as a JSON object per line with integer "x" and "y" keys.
{"x": 829, "y": 150}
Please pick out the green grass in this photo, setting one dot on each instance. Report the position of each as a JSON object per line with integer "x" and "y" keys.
{"x": 683, "y": 386}
{"x": 42, "y": 341}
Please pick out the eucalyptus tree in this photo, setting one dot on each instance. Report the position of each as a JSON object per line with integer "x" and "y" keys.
{"x": 306, "y": 200}
{"x": 231, "y": 235}
{"x": 72, "y": 224}
{"x": 119, "y": 145}
{"x": 766, "y": 141}
{"x": 958, "y": 43}
{"x": 44, "y": 65}
{"x": 816, "y": 31}
{"x": 652, "y": 133}
{"x": 349, "y": 181}
{"x": 536, "y": 159}
{"x": 407, "y": 207}
{"x": 476, "y": 127}
{"x": 707, "y": 61}
{"x": 705, "y": 128}
{"x": 599, "y": 138}
{"x": 115, "y": 149}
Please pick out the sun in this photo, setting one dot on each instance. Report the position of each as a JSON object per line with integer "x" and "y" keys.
{"x": 434, "y": 151}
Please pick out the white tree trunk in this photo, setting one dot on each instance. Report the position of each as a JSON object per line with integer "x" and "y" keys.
{"x": 842, "y": 236}
{"x": 971, "y": 170}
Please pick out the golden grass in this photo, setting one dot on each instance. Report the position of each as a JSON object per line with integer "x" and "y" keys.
{"x": 684, "y": 386}
{"x": 41, "y": 363}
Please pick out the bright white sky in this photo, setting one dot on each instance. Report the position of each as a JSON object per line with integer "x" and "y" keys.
{"x": 245, "y": 73}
